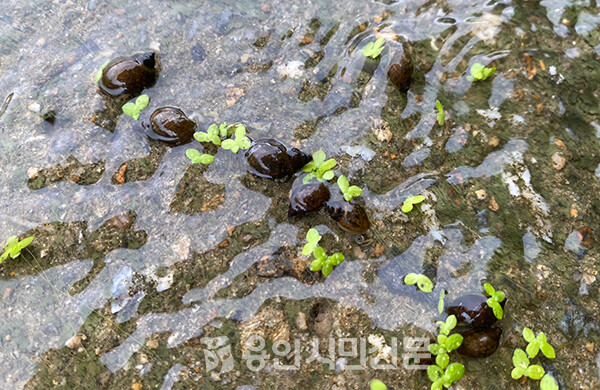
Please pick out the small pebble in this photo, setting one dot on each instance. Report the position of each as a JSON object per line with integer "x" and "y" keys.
{"x": 301, "y": 321}
{"x": 34, "y": 107}
{"x": 481, "y": 194}
{"x": 378, "y": 250}
{"x": 558, "y": 161}
{"x": 493, "y": 205}
{"x": 74, "y": 342}
{"x": 137, "y": 386}
{"x": 152, "y": 344}
{"x": 154, "y": 46}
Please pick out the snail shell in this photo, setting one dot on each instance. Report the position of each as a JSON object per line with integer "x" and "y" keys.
{"x": 171, "y": 125}
{"x": 130, "y": 75}
{"x": 480, "y": 342}
{"x": 273, "y": 160}
{"x": 473, "y": 310}
{"x": 350, "y": 216}
{"x": 401, "y": 69}
{"x": 307, "y": 198}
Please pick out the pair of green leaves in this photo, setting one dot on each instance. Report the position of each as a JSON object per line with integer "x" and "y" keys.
{"x": 373, "y": 49}
{"x": 13, "y": 247}
{"x": 198, "y": 157}
{"x": 133, "y": 109}
{"x": 422, "y": 281}
{"x": 409, "y": 203}
{"x": 494, "y": 300}
{"x": 240, "y": 141}
{"x": 322, "y": 262}
{"x": 376, "y": 384}
{"x": 536, "y": 344}
{"x": 522, "y": 367}
{"x": 319, "y": 168}
{"x": 348, "y": 191}
{"x": 441, "y": 378}
{"x": 213, "y": 134}
{"x": 480, "y": 72}
{"x": 441, "y": 115}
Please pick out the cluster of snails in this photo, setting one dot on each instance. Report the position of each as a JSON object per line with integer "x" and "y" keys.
{"x": 476, "y": 318}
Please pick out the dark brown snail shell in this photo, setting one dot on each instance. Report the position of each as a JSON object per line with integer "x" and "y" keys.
{"x": 473, "y": 310}
{"x": 273, "y": 160}
{"x": 350, "y": 216}
{"x": 480, "y": 342}
{"x": 307, "y": 198}
{"x": 130, "y": 75}
{"x": 401, "y": 69}
{"x": 171, "y": 125}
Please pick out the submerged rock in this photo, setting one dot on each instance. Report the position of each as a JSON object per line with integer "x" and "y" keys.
{"x": 350, "y": 216}
{"x": 473, "y": 310}
{"x": 171, "y": 125}
{"x": 130, "y": 75}
{"x": 480, "y": 343}
{"x": 271, "y": 159}
{"x": 401, "y": 69}
{"x": 307, "y": 198}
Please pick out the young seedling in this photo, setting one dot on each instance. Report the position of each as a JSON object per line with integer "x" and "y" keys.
{"x": 13, "y": 247}
{"x": 133, "y": 109}
{"x": 409, "y": 203}
{"x": 198, "y": 157}
{"x": 480, "y": 72}
{"x": 325, "y": 263}
{"x": 319, "y": 168}
{"x": 522, "y": 367}
{"x": 446, "y": 343}
{"x": 441, "y": 115}
{"x": 537, "y": 343}
{"x": 312, "y": 240}
{"x": 240, "y": 141}
{"x": 373, "y": 49}
{"x": 441, "y": 301}
{"x": 494, "y": 300}
{"x": 376, "y": 384}
{"x": 441, "y": 378}
{"x": 548, "y": 383}
{"x": 213, "y": 134}
{"x": 422, "y": 281}
{"x": 98, "y": 75}
{"x": 348, "y": 191}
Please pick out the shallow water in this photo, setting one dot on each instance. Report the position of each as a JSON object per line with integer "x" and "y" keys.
{"x": 511, "y": 184}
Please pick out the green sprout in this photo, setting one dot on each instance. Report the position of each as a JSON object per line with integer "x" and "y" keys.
{"x": 409, "y": 203}
{"x": 441, "y": 115}
{"x": 441, "y": 378}
{"x": 198, "y": 157}
{"x": 376, "y": 384}
{"x": 522, "y": 367}
{"x": 319, "y": 168}
{"x": 348, "y": 191}
{"x": 494, "y": 300}
{"x": 213, "y": 134}
{"x": 441, "y": 301}
{"x": 312, "y": 237}
{"x": 446, "y": 343}
{"x": 422, "y": 281}
{"x": 133, "y": 109}
{"x": 13, "y": 247}
{"x": 537, "y": 343}
{"x": 480, "y": 72}
{"x": 548, "y": 383}
{"x": 373, "y": 49}
{"x": 240, "y": 142}
{"x": 98, "y": 75}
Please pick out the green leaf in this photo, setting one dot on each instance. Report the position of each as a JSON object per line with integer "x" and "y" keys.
{"x": 318, "y": 158}
{"x": 228, "y": 144}
{"x": 308, "y": 249}
{"x": 454, "y": 341}
{"x": 306, "y": 179}
{"x": 223, "y": 129}
{"x": 310, "y": 167}
{"x": 528, "y": 335}
{"x": 451, "y": 321}
{"x": 327, "y": 269}
{"x": 548, "y": 383}
{"x": 407, "y": 207}
{"x": 441, "y": 115}
{"x": 424, "y": 284}
{"x": 441, "y": 301}
{"x": 548, "y": 351}
{"x": 434, "y": 373}
{"x": 207, "y": 159}
{"x": 455, "y": 371}
{"x": 28, "y": 240}
{"x": 212, "y": 130}
{"x": 535, "y": 372}
{"x": 244, "y": 143}
{"x": 520, "y": 358}
{"x": 142, "y": 102}
{"x": 343, "y": 183}
{"x": 517, "y": 372}
{"x": 436, "y": 349}
{"x": 316, "y": 265}
{"x": 442, "y": 360}
{"x": 327, "y": 165}
{"x": 336, "y": 258}
{"x": 489, "y": 289}
{"x": 532, "y": 349}
{"x": 240, "y": 131}
{"x": 436, "y": 385}
{"x": 319, "y": 253}
{"x": 328, "y": 175}
{"x": 130, "y": 109}
{"x": 201, "y": 137}
{"x": 376, "y": 384}
{"x": 136, "y": 115}
{"x": 198, "y": 157}
{"x": 215, "y": 139}
{"x": 313, "y": 235}
{"x": 354, "y": 191}
{"x": 411, "y": 278}
{"x": 499, "y": 296}
{"x": 480, "y": 72}
{"x": 498, "y": 311}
